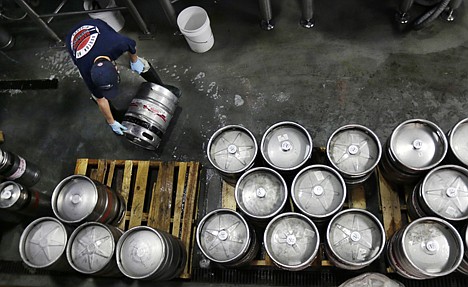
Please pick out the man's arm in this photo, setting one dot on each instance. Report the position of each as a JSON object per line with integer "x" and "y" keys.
{"x": 133, "y": 57}
{"x": 104, "y": 107}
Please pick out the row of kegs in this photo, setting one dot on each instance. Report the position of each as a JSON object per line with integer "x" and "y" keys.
{"x": 83, "y": 235}
{"x": 99, "y": 249}
{"x": 428, "y": 247}
{"x": 412, "y": 155}
{"x": 413, "y": 148}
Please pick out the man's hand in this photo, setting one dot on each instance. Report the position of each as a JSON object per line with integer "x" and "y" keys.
{"x": 117, "y": 128}
{"x": 137, "y": 66}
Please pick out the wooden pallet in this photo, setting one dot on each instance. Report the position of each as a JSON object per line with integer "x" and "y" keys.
{"x": 2, "y": 139}
{"x": 161, "y": 195}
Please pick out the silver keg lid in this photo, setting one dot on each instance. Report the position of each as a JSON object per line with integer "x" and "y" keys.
{"x": 90, "y": 248}
{"x": 355, "y": 236}
{"x": 291, "y": 240}
{"x": 433, "y": 246}
{"x": 418, "y": 144}
{"x": 10, "y": 192}
{"x": 458, "y": 142}
{"x": 318, "y": 191}
{"x": 223, "y": 236}
{"x": 261, "y": 193}
{"x": 232, "y": 149}
{"x": 445, "y": 191}
{"x": 354, "y": 150}
{"x": 74, "y": 198}
{"x": 286, "y": 146}
{"x": 43, "y": 242}
{"x": 140, "y": 252}
{"x": 371, "y": 279}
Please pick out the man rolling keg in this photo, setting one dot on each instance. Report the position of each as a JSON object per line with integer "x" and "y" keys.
{"x": 94, "y": 46}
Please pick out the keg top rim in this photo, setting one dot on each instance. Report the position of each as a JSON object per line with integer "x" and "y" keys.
{"x": 457, "y": 141}
{"x": 229, "y": 230}
{"x": 46, "y": 238}
{"x": 419, "y": 144}
{"x": 446, "y": 186}
{"x": 318, "y": 191}
{"x": 232, "y": 149}
{"x": 426, "y": 242}
{"x": 261, "y": 193}
{"x": 286, "y": 146}
{"x": 358, "y": 226}
{"x": 354, "y": 150}
{"x": 291, "y": 231}
{"x": 91, "y": 247}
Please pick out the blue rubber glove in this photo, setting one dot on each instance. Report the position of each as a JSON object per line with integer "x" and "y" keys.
{"x": 138, "y": 66}
{"x": 117, "y": 128}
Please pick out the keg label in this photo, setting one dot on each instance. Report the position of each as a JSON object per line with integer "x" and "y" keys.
{"x": 20, "y": 171}
{"x": 155, "y": 110}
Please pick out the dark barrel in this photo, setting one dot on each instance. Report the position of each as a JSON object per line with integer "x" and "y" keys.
{"x": 16, "y": 198}
{"x": 14, "y": 167}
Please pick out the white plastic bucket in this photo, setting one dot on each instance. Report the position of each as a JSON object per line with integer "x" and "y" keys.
{"x": 113, "y": 18}
{"x": 194, "y": 24}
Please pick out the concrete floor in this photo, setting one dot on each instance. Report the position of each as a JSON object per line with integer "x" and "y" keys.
{"x": 354, "y": 66}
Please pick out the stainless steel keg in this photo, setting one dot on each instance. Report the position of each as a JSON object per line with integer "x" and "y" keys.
{"x": 458, "y": 143}
{"x": 463, "y": 267}
{"x": 16, "y": 198}
{"x": 286, "y": 146}
{"x": 77, "y": 199}
{"x": 428, "y": 247}
{"x": 149, "y": 115}
{"x": 292, "y": 241}
{"x": 442, "y": 193}
{"x": 224, "y": 237}
{"x": 261, "y": 193}
{"x": 232, "y": 150}
{"x": 91, "y": 249}
{"x": 319, "y": 192}
{"x": 150, "y": 254}
{"x": 7, "y": 41}
{"x": 43, "y": 242}
{"x": 414, "y": 147}
{"x": 355, "y": 238}
{"x": 14, "y": 167}
{"x": 354, "y": 151}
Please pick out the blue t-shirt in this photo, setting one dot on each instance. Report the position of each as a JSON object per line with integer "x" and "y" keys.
{"x": 92, "y": 38}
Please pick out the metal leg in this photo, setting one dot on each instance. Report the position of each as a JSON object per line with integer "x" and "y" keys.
{"x": 59, "y": 7}
{"x": 266, "y": 14}
{"x": 136, "y": 15}
{"x": 307, "y": 20}
{"x": 35, "y": 17}
{"x": 403, "y": 16}
{"x": 454, "y": 5}
{"x": 170, "y": 12}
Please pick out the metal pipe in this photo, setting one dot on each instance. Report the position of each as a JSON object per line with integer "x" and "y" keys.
{"x": 59, "y": 7}
{"x": 35, "y": 17}
{"x": 83, "y": 12}
{"x": 169, "y": 11}
{"x": 307, "y": 20}
{"x": 266, "y": 14}
{"x": 136, "y": 15}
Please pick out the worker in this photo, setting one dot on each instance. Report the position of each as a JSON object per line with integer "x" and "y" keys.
{"x": 94, "y": 46}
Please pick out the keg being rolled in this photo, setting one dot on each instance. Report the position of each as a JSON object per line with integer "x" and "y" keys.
{"x": 149, "y": 114}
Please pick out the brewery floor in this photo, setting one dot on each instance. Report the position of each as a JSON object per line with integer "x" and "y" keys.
{"x": 355, "y": 66}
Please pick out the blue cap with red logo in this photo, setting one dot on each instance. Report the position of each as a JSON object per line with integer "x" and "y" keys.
{"x": 106, "y": 78}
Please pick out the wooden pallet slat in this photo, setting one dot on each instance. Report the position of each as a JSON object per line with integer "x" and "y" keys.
{"x": 2, "y": 139}
{"x": 81, "y": 166}
{"x": 139, "y": 192}
{"x": 125, "y": 191}
{"x": 179, "y": 201}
